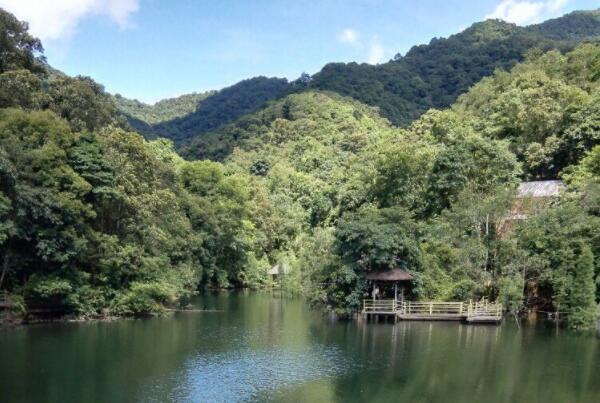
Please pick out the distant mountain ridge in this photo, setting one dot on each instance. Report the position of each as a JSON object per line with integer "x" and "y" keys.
{"x": 205, "y": 111}
{"x": 143, "y": 117}
{"x": 428, "y": 76}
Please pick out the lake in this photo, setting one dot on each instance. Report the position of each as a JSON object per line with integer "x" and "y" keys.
{"x": 261, "y": 347}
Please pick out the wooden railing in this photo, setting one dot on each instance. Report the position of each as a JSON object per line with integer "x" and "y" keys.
{"x": 380, "y": 305}
{"x": 433, "y": 308}
{"x": 484, "y": 308}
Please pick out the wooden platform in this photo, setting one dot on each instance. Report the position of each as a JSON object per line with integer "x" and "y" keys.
{"x": 484, "y": 319}
{"x": 471, "y": 312}
{"x": 439, "y": 316}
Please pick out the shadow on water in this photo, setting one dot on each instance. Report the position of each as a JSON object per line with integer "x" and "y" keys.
{"x": 266, "y": 348}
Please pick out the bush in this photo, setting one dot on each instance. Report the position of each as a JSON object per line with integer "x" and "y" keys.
{"x": 464, "y": 290}
{"x": 510, "y": 292}
{"x": 145, "y": 299}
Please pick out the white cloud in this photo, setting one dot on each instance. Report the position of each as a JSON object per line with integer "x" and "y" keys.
{"x": 556, "y": 6}
{"x": 376, "y": 52}
{"x": 523, "y": 12}
{"x": 348, "y": 36}
{"x": 373, "y": 49}
{"x": 58, "y": 19}
{"x": 519, "y": 12}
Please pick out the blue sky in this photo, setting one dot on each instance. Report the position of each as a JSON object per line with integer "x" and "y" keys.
{"x": 152, "y": 49}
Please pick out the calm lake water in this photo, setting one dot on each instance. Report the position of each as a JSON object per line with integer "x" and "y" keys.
{"x": 265, "y": 348}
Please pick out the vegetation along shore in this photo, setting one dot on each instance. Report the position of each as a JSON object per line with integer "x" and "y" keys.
{"x": 112, "y": 207}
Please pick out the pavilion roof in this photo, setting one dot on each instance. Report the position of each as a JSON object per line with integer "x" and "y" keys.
{"x": 389, "y": 275}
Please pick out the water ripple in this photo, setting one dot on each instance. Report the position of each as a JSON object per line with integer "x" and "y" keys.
{"x": 241, "y": 375}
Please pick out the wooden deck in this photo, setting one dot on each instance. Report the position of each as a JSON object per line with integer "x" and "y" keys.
{"x": 471, "y": 312}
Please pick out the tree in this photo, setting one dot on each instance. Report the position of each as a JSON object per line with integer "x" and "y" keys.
{"x": 375, "y": 239}
{"x": 18, "y": 49}
{"x": 582, "y": 301}
{"x": 219, "y": 213}
{"x": 473, "y": 161}
{"x": 81, "y": 101}
{"x": 21, "y": 89}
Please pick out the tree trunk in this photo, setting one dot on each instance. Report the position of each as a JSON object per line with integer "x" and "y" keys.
{"x": 4, "y": 267}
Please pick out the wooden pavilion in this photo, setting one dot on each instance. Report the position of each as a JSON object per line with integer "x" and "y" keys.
{"x": 387, "y": 304}
{"x": 397, "y": 278}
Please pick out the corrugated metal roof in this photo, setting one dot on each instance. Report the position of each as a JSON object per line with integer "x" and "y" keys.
{"x": 540, "y": 188}
{"x": 389, "y": 275}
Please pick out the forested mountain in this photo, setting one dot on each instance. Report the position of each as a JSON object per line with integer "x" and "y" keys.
{"x": 168, "y": 119}
{"x": 433, "y": 75}
{"x": 577, "y": 25}
{"x": 142, "y": 117}
{"x": 428, "y": 76}
{"x": 95, "y": 220}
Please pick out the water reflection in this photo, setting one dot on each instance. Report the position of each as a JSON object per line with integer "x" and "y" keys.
{"x": 266, "y": 348}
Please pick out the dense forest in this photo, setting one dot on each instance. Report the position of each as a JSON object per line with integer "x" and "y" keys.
{"x": 180, "y": 119}
{"x": 97, "y": 220}
{"x": 434, "y": 75}
{"x": 143, "y": 117}
{"x": 428, "y": 76}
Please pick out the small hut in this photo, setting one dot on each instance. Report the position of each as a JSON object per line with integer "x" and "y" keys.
{"x": 384, "y": 281}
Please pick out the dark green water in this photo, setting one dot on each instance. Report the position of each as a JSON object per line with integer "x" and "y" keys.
{"x": 263, "y": 348}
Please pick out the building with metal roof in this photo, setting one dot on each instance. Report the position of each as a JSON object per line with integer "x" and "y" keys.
{"x": 540, "y": 189}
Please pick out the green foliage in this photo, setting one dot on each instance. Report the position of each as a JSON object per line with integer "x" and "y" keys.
{"x": 575, "y": 25}
{"x": 219, "y": 214}
{"x": 479, "y": 163}
{"x": 81, "y": 101}
{"x": 586, "y": 171}
{"x": 185, "y": 117}
{"x": 582, "y": 299}
{"x": 18, "y": 49}
{"x": 21, "y": 89}
{"x": 163, "y": 110}
{"x": 49, "y": 287}
{"x": 434, "y": 75}
{"x": 18, "y": 306}
{"x": 545, "y": 107}
{"x": 564, "y": 239}
{"x": 145, "y": 298}
{"x": 510, "y": 292}
{"x": 375, "y": 239}
{"x": 85, "y": 215}
{"x": 96, "y": 220}
{"x": 464, "y": 290}
{"x": 428, "y": 76}
{"x": 143, "y": 117}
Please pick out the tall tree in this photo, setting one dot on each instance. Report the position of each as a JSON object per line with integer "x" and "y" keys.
{"x": 18, "y": 49}
{"x": 582, "y": 301}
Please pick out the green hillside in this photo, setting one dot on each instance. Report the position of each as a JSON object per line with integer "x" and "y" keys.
{"x": 181, "y": 118}
{"x": 434, "y": 75}
{"x": 143, "y": 117}
{"x": 428, "y": 76}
